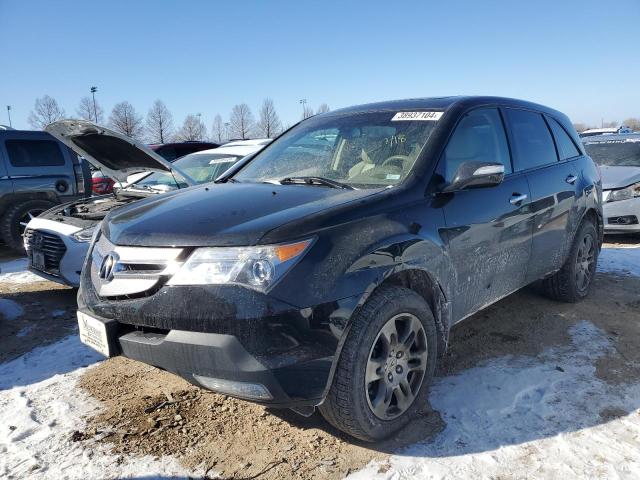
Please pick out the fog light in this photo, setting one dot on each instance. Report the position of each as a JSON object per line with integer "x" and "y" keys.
{"x": 254, "y": 391}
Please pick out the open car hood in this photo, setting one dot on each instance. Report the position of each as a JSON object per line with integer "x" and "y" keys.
{"x": 116, "y": 154}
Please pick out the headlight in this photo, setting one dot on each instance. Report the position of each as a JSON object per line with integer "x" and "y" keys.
{"x": 631, "y": 191}
{"x": 84, "y": 235}
{"x": 257, "y": 267}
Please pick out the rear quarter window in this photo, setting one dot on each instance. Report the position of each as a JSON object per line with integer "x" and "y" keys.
{"x": 34, "y": 153}
{"x": 566, "y": 148}
{"x": 531, "y": 139}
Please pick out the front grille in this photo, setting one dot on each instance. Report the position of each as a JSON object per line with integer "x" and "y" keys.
{"x": 50, "y": 244}
{"x": 119, "y": 272}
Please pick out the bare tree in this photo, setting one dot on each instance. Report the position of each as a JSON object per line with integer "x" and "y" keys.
{"x": 86, "y": 112}
{"x": 306, "y": 111}
{"x": 580, "y": 127}
{"x": 269, "y": 124}
{"x": 192, "y": 129}
{"x": 323, "y": 108}
{"x": 612, "y": 124}
{"x": 241, "y": 121}
{"x": 218, "y": 132}
{"x": 633, "y": 124}
{"x": 159, "y": 124}
{"x": 45, "y": 111}
{"x": 125, "y": 119}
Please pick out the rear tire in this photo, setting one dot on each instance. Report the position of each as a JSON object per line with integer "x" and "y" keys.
{"x": 572, "y": 282}
{"x": 15, "y": 219}
{"x": 381, "y": 383}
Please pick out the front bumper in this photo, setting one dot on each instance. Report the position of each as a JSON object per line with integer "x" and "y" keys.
{"x": 622, "y": 210}
{"x": 228, "y": 339}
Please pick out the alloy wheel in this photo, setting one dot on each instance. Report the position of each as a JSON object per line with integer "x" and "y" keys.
{"x": 396, "y": 366}
{"x": 585, "y": 262}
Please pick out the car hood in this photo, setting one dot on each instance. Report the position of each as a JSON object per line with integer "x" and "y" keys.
{"x": 223, "y": 214}
{"x": 116, "y": 154}
{"x": 619, "y": 177}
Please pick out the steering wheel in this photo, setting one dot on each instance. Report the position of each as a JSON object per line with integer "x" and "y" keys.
{"x": 395, "y": 159}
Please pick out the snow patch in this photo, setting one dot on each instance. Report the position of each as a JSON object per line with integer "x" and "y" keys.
{"x": 623, "y": 260}
{"x": 41, "y": 406}
{"x": 523, "y": 417}
{"x": 10, "y": 310}
{"x": 15, "y": 271}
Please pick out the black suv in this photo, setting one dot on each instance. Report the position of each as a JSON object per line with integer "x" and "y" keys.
{"x": 328, "y": 269}
{"x": 36, "y": 173}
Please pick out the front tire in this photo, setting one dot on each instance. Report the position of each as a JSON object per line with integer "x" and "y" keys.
{"x": 572, "y": 282}
{"x": 387, "y": 362}
{"x": 15, "y": 219}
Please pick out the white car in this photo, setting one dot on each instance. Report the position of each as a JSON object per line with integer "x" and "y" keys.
{"x": 619, "y": 159}
{"x": 57, "y": 241}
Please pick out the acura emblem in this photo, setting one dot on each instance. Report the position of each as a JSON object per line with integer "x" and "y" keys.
{"x": 108, "y": 267}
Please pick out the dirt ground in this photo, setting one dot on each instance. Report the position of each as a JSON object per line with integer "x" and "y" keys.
{"x": 148, "y": 411}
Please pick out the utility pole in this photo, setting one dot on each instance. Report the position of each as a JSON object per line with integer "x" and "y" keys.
{"x": 93, "y": 94}
{"x": 9, "y": 113}
{"x": 303, "y": 102}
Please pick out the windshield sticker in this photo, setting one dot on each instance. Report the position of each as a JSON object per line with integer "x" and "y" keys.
{"x": 419, "y": 116}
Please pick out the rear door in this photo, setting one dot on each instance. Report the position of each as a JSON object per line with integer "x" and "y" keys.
{"x": 36, "y": 162}
{"x": 488, "y": 230}
{"x": 552, "y": 175}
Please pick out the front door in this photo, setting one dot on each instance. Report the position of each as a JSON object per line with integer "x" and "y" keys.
{"x": 488, "y": 230}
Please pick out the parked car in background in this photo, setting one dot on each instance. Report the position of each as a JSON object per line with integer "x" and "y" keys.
{"x": 619, "y": 159}
{"x": 605, "y": 131}
{"x": 36, "y": 173}
{"x": 102, "y": 184}
{"x": 171, "y": 151}
{"x": 57, "y": 241}
{"x": 328, "y": 269}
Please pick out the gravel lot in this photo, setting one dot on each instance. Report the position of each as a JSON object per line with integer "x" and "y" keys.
{"x": 529, "y": 388}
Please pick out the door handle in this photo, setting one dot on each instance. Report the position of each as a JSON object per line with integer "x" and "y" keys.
{"x": 517, "y": 198}
{"x": 571, "y": 179}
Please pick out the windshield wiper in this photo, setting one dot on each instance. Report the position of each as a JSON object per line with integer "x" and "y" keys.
{"x": 315, "y": 181}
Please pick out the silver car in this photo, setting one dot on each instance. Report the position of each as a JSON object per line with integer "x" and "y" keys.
{"x": 619, "y": 159}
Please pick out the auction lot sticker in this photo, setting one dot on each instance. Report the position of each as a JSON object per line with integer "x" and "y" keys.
{"x": 413, "y": 116}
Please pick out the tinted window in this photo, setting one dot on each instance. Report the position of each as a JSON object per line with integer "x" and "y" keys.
{"x": 566, "y": 147}
{"x": 619, "y": 153}
{"x": 532, "y": 140}
{"x": 479, "y": 137}
{"x": 34, "y": 153}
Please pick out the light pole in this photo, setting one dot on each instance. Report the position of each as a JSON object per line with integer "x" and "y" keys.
{"x": 93, "y": 94}
{"x": 303, "y": 102}
{"x": 9, "y": 113}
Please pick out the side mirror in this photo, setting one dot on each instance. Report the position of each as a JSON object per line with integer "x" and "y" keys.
{"x": 476, "y": 175}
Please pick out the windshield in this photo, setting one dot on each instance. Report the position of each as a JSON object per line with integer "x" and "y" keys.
{"x": 360, "y": 150}
{"x": 619, "y": 153}
{"x": 202, "y": 167}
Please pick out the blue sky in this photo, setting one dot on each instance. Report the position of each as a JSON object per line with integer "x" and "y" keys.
{"x": 580, "y": 57}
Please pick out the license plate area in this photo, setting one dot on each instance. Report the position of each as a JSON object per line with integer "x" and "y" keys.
{"x": 37, "y": 260}
{"x": 94, "y": 333}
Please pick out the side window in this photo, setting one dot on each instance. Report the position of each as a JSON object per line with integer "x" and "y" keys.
{"x": 532, "y": 139}
{"x": 479, "y": 137}
{"x": 34, "y": 153}
{"x": 566, "y": 147}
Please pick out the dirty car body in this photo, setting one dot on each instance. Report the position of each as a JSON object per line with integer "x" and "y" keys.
{"x": 395, "y": 208}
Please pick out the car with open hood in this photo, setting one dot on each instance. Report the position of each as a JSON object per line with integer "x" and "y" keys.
{"x": 619, "y": 159}
{"x": 57, "y": 241}
{"x": 346, "y": 250}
